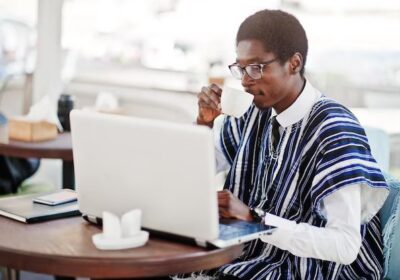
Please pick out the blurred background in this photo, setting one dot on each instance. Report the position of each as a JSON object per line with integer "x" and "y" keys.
{"x": 155, "y": 55}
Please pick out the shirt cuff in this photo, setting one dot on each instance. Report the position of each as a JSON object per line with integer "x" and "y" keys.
{"x": 276, "y": 221}
{"x": 282, "y": 236}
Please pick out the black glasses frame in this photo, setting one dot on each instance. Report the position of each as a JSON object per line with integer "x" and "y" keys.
{"x": 245, "y": 69}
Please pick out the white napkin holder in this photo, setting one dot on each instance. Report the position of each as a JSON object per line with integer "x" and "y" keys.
{"x": 121, "y": 233}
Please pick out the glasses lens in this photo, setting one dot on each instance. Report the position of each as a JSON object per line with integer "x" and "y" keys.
{"x": 236, "y": 71}
{"x": 254, "y": 71}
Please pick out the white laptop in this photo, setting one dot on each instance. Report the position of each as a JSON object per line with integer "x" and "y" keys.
{"x": 165, "y": 169}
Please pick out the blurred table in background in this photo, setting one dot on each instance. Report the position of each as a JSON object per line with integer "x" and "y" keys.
{"x": 58, "y": 148}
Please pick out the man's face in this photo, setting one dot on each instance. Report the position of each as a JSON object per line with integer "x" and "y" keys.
{"x": 276, "y": 87}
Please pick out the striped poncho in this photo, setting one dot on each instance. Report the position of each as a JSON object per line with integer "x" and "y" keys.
{"x": 325, "y": 151}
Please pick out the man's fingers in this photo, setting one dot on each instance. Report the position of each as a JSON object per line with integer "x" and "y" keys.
{"x": 223, "y": 212}
{"x": 223, "y": 198}
{"x": 216, "y": 89}
{"x": 206, "y": 104}
{"x": 215, "y": 94}
{"x": 209, "y": 97}
{"x": 215, "y": 99}
{"x": 223, "y": 202}
{"x": 224, "y": 193}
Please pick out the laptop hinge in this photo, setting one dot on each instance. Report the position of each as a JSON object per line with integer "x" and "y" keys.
{"x": 92, "y": 219}
{"x": 200, "y": 242}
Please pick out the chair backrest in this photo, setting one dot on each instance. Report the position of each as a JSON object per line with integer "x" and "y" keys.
{"x": 390, "y": 220}
{"x": 379, "y": 142}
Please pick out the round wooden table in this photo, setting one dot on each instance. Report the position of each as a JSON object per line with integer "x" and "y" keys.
{"x": 58, "y": 148}
{"x": 64, "y": 247}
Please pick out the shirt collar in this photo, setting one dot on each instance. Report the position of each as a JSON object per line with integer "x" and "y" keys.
{"x": 295, "y": 112}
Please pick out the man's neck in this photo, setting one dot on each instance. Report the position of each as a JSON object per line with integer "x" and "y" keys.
{"x": 296, "y": 88}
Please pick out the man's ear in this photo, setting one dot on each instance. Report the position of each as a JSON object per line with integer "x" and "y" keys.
{"x": 296, "y": 63}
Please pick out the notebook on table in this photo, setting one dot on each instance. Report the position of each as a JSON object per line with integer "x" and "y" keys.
{"x": 24, "y": 209}
{"x": 166, "y": 169}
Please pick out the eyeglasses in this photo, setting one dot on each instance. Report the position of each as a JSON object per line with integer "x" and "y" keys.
{"x": 254, "y": 70}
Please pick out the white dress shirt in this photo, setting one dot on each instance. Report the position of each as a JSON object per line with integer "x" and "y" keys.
{"x": 340, "y": 240}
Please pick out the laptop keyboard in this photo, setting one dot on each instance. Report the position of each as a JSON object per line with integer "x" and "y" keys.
{"x": 237, "y": 228}
{"x": 229, "y": 231}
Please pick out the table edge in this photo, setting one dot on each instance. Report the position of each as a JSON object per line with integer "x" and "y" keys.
{"x": 116, "y": 267}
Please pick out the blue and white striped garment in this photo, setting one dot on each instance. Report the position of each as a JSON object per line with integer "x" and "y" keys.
{"x": 325, "y": 151}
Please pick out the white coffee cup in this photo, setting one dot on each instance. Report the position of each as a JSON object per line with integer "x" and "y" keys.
{"x": 235, "y": 102}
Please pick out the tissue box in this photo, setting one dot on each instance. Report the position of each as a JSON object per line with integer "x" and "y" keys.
{"x": 32, "y": 131}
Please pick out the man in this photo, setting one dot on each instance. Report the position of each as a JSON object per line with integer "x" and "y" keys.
{"x": 298, "y": 161}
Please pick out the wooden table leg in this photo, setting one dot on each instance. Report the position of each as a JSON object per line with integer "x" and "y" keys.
{"x": 12, "y": 274}
{"x": 68, "y": 175}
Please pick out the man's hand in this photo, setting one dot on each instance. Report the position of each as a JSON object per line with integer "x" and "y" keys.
{"x": 231, "y": 207}
{"x": 209, "y": 100}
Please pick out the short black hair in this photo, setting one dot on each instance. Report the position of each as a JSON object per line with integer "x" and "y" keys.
{"x": 280, "y": 33}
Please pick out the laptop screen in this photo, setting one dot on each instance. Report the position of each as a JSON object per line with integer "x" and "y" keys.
{"x": 166, "y": 169}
